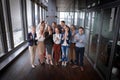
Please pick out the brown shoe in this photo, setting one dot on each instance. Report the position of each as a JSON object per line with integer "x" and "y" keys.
{"x": 81, "y": 68}
{"x": 74, "y": 66}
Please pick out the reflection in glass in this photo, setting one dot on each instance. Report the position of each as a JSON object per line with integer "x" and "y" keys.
{"x": 106, "y": 39}
{"x": 116, "y": 61}
{"x": 17, "y": 26}
{"x": 94, "y": 31}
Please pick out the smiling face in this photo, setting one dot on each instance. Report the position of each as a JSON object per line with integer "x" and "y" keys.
{"x": 62, "y": 23}
{"x": 41, "y": 28}
{"x": 49, "y": 28}
{"x": 81, "y": 31}
{"x": 66, "y": 28}
{"x": 33, "y": 30}
{"x": 56, "y": 30}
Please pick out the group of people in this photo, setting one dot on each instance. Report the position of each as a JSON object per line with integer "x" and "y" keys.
{"x": 57, "y": 43}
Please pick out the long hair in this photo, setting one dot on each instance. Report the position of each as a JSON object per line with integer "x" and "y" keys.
{"x": 48, "y": 27}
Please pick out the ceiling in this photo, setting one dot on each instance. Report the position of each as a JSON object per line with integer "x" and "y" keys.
{"x": 70, "y": 5}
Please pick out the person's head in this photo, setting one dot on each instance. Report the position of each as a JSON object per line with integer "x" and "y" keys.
{"x": 72, "y": 28}
{"x": 81, "y": 30}
{"x": 66, "y": 28}
{"x": 41, "y": 29}
{"x": 49, "y": 28}
{"x": 33, "y": 29}
{"x": 54, "y": 24}
{"x": 57, "y": 30}
{"x": 62, "y": 23}
{"x": 43, "y": 23}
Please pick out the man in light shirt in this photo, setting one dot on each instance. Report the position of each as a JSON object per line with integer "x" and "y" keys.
{"x": 80, "y": 40}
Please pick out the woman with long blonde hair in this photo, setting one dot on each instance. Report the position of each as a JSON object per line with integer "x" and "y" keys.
{"x": 41, "y": 47}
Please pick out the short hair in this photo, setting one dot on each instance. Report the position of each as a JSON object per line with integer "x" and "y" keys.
{"x": 63, "y": 22}
{"x": 73, "y": 26}
{"x": 42, "y": 22}
{"x": 81, "y": 28}
{"x": 32, "y": 27}
{"x": 54, "y": 23}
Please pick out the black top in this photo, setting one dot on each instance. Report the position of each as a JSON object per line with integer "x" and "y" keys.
{"x": 31, "y": 39}
{"x": 48, "y": 39}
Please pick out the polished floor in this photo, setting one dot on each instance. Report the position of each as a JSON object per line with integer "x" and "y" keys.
{"x": 21, "y": 70}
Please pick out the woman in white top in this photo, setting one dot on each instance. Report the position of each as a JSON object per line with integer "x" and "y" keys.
{"x": 41, "y": 47}
{"x": 56, "y": 46}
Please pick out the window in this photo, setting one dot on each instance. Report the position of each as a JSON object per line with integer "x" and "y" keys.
{"x": 29, "y": 14}
{"x": 6, "y": 25}
{"x": 40, "y": 14}
{"x": 1, "y": 48}
{"x": 43, "y": 13}
{"x": 36, "y": 14}
{"x": 16, "y": 19}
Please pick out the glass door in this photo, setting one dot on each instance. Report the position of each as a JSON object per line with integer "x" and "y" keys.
{"x": 106, "y": 40}
{"x": 116, "y": 61}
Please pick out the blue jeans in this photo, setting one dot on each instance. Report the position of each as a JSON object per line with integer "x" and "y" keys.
{"x": 64, "y": 53}
{"x": 79, "y": 55}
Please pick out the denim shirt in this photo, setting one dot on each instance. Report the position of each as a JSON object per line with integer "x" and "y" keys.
{"x": 78, "y": 38}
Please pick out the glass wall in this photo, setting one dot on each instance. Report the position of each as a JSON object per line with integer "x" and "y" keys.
{"x": 94, "y": 32}
{"x": 106, "y": 40}
{"x": 29, "y": 14}
{"x": 17, "y": 27}
{"x": 116, "y": 62}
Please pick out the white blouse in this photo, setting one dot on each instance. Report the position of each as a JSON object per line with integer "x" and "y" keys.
{"x": 55, "y": 36}
{"x": 40, "y": 37}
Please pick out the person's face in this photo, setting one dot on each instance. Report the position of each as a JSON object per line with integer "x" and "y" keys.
{"x": 56, "y": 30}
{"x": 33, "y": 30}
{"x": 81, "y": 31}
{"x": 62, "y": 24}
{"x": 66, "y": 29}
{"x": 53, "y": 24}
{"x": 43, "y": 24}
{"x": 72, "y": 28}
{"x": 41, "y": 28}
{"x": 49, "y": 28}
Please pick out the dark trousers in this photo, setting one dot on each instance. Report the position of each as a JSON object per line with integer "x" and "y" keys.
{"x": 79, "y": 55}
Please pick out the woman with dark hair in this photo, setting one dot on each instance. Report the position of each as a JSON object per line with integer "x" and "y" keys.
{"x": 49, "y": 44}
{"x": 65, "y": 43}
{"x": 54, "y": 25}
{"x": 57, "y": 46}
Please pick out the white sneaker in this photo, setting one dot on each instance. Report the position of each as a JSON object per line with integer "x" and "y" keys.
{"x": 62, "y": 63}
{"x": 47, "y": 61}
{"x": 65, "y": 64}
{"x": 33, "y": 66}
{"x": 51, "y": 62}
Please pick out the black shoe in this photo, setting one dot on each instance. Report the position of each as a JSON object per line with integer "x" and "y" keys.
{"x": 39, "y": 61}
{"x": 43, "y": 63}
